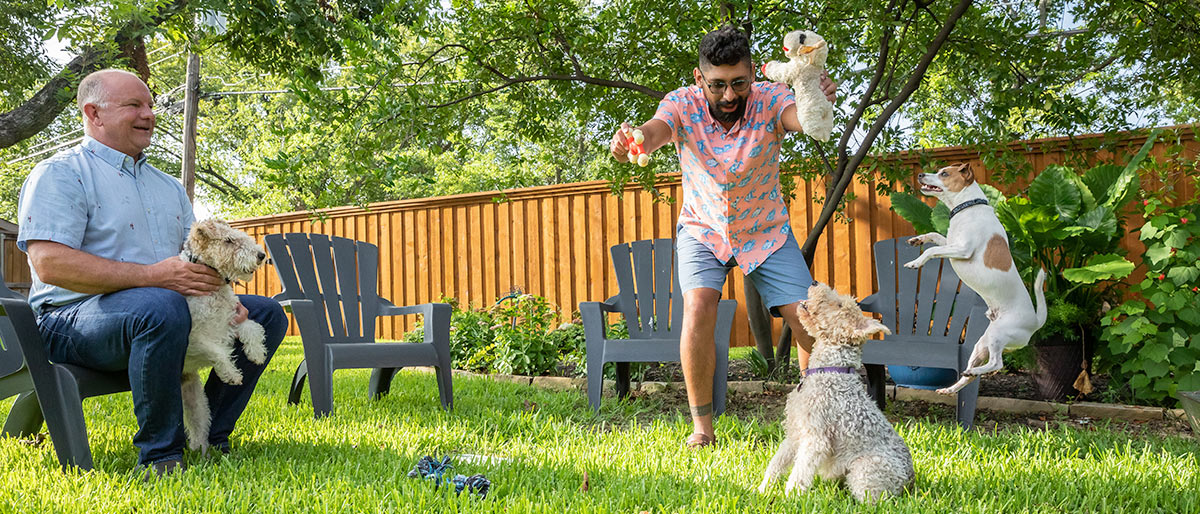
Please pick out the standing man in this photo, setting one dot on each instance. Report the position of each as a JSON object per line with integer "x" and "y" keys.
{"x": 103, "y": 230}
{"x": 727, "y": 131}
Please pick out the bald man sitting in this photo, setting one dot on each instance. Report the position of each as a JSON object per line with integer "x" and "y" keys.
{"x": 103, "y": 230}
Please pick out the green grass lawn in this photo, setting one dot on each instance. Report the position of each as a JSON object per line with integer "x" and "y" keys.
{"x": 357, "y": 459}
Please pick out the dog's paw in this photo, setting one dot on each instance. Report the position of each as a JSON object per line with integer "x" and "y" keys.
{"x": 762, "y": 488}
{"x": 916, "y": 240}
{"x": 257, "y": 353}
{"x": 913, "y": 264}
{"x": 229, "y": 376}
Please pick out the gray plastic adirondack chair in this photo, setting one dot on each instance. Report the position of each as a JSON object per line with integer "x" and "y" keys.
{"x": 45, "y": 391}
{"x": 648, "y": 296}
{"x": 935, "y": 320}
{"x": 330, "y": 286}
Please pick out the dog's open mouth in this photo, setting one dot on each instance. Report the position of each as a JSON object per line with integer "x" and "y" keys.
{"x": 926, "y": 188}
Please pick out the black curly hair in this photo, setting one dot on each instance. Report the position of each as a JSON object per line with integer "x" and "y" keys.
{"x": 724, "y": 46}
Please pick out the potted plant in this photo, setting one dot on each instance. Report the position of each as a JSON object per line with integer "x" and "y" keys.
{"x": 1070, "y": 223}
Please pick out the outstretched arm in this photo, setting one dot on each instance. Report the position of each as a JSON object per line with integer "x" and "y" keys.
{"x": 790, "y": 119}
{"x": 656, "y": 132}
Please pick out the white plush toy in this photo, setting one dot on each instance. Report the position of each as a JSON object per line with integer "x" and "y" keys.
{"x": 806, "y": 52}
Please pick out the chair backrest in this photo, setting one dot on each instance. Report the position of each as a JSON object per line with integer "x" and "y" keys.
{"x": 20, "y": 341}
{"x": 649, "y": 292}
{"x": 339, "y": 275}
{"x": 930, "y": 301}
{"x": 11, "y": 303}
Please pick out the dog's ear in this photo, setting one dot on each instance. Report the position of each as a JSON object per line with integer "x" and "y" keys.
{"x": 966, "y": 172}
{"x": 868, "y": 327}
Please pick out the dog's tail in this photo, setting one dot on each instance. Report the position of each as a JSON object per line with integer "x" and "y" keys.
{"x": 1041, "y": 297}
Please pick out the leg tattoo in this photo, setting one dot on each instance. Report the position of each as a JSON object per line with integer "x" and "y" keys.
{"x": 702, "y": 410}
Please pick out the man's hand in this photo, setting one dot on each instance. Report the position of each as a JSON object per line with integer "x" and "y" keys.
{"x": 829, "y": 87}
{"x": 186, "y": 278}
{"x": 619, "y": 148}
{"x": 240, "y": 314}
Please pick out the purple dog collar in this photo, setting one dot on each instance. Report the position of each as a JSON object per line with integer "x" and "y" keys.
{"x": 846, "y": 370}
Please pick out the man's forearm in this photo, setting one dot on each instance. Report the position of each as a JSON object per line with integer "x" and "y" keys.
{"x": 66, "y": 267}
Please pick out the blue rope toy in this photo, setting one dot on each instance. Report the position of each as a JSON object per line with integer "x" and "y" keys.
{"x": 430, "y": 469}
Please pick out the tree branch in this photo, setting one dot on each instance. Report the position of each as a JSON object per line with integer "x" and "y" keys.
{"x": 914, "y": 81}
{"x": 39, "y": 111}
{"x": 617, "y": 84}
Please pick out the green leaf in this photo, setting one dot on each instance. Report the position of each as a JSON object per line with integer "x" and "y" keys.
{"x": 1053, "y": 190}
{"x": 912, "y": 210}
{"x": 1157, "y": 253}
{"x": 1183, "y": 275}
{"x": 1100, "y": 267}
{"x": 994, "y": 196}
{"x": 1156, "y": 368}
{"x": 940, "y": 218}
{"x": 1190, "y": 315}
{"x": 1190, "y": 382}
{"x": 1144, "y": 151}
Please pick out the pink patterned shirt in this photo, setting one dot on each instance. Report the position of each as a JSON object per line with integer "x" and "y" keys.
{"x": 731, "y": 198}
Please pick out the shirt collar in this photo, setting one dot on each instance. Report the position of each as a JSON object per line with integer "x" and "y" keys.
{"x": 115, "y": 158}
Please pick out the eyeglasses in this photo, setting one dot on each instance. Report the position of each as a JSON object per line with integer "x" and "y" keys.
{"x": 718, "y": 86}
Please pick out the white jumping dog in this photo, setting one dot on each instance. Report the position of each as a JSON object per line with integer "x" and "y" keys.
{"x": 977, "y": 247}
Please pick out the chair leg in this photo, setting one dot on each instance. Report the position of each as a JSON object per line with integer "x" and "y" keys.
{"x": 381, "y": 382}
{"x": 965, "y": 406}
{"x": 720, "y": 381}
{"x": 445, "y": 386}
{"x": 320, "y": 386}
{"x": 875, "y": 385}
{"x": 64, "y": 421}
{"x": 623, "y": 384}
{"x": 25, "y": 417}
{"x": 595, "y": 374}
{"x": 298, "y": 383}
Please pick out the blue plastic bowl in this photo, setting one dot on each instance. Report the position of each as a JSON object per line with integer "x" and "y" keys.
{"x": 920, "y": 377}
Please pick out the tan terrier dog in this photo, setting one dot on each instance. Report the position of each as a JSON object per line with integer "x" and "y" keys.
{"x": 832, "y": 428}
{"x": 235, "y": 256}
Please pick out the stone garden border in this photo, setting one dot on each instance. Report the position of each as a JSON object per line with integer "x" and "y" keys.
{"x": 1092, "y": 410}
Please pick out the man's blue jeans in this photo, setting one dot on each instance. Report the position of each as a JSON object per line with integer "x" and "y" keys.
{"x": 145, "y": 330}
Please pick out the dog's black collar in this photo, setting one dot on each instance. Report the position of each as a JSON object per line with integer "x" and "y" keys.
{"x": 195, "y": 259}
{"x": 969, "y": 203}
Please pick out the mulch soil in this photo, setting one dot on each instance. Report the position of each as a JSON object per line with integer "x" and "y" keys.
{"x": 768, "y": 405}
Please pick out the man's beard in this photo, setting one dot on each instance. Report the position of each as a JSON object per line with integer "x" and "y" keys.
{"x": 727, "y": 117}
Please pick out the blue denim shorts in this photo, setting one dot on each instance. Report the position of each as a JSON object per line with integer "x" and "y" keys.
{"x": 782, "y": 279}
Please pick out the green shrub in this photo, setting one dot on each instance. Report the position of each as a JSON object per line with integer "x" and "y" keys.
{"x": 522, "y": 344}
{"x": 1152, "y": 342}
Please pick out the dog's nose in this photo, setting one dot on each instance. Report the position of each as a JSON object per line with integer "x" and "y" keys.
{"x": 261, "y": 256}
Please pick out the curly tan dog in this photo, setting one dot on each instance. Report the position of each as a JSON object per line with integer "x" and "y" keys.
{"x": 832, "y": 428}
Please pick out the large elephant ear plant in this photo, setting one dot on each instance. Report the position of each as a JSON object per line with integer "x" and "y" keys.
{"x": 1069, "y": 223}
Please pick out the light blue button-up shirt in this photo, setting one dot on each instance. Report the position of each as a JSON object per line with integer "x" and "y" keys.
{"x": 104, "y": 202}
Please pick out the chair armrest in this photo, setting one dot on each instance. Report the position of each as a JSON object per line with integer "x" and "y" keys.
{"x": 871, "y": 304}
{"x": 595, "y": 323}
{"x": 424, "y": 309}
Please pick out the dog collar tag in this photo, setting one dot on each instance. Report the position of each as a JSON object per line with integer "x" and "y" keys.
{"x": 969, "y": 203}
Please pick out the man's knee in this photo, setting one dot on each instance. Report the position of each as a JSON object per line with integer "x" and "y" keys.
{"x": 701, "y": 301}
{"x": 159, "y": 309}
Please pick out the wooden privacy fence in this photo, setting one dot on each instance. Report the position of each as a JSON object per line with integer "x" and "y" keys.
{"x": 553, "y": 241}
